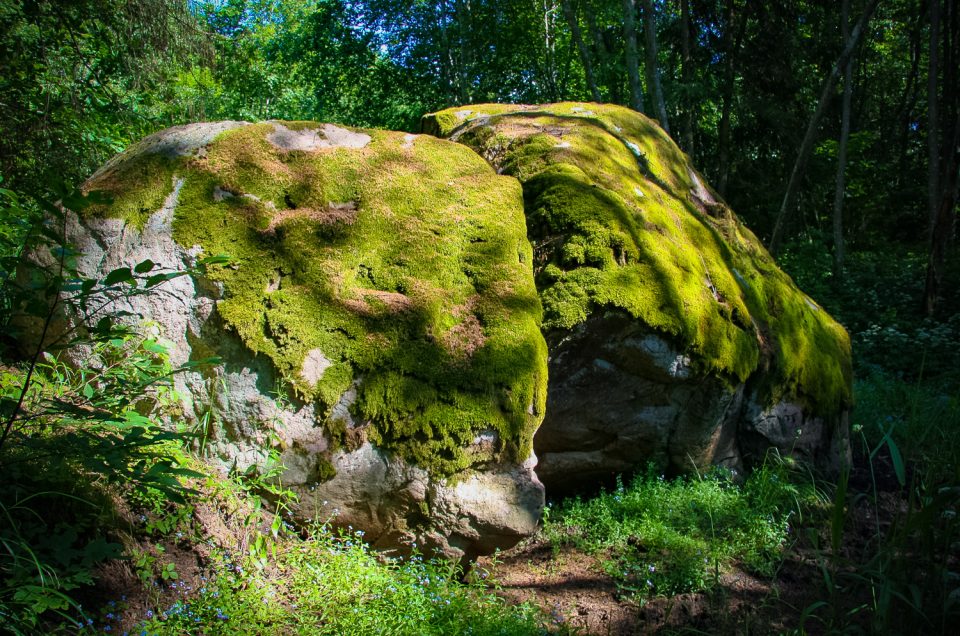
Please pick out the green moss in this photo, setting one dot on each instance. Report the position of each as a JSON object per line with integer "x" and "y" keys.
{"x": 325, "y": 471}
{"x": 619, "y": 219}
{"x": 136, "y": 188}
{"x": 405, "y": 265}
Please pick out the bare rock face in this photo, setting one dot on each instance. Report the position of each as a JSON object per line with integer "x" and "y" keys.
{"x": 674, "y": 338}
{"x": 621, "y": 396}
{"x": 377, "y": 327}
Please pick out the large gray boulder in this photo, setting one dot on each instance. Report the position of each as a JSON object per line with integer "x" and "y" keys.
{"x": 378, "y": 327}
{"x": 674, "y": 338}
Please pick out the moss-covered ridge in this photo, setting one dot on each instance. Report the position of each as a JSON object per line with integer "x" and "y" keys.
{"x": 620, "y": 219}
{"x": 397, "y": 266}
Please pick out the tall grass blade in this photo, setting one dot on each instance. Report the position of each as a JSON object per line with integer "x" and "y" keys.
{"x": 839, "y": 513}
{"x": 897, "y": 459}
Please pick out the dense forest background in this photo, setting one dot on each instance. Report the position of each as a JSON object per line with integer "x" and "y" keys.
{"x": 831, "y": 127}
{"x": 737, "y": 84}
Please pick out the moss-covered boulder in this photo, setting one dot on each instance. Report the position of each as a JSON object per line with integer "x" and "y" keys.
{"x": 674, "y": 337}
{"x": 378, "y": 324}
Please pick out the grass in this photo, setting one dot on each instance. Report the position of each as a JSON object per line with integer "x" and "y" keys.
{"x": 333, "y": 584}
{"x": 666, "y": 537}
{"x": 261, "y": 576}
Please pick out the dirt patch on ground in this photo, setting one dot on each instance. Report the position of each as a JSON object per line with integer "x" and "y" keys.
{"x": 575, "y": 591}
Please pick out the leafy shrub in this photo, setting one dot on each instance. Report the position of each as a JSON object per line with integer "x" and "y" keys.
{"x": 66, "y": 432}
{"x": 333, "y": 584}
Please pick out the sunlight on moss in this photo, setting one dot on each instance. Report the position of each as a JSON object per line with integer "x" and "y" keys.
{"x": 404, "y": 264}
{"x": 619, "y": 219}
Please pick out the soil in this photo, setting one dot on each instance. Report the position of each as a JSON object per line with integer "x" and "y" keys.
{"x": 574, "y": 590}
{"x": 580, "y": 597}
{"x": 572, "y": 587}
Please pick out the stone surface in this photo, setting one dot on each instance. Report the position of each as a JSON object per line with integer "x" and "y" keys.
{"x": 377, "y": 327}
{"x": 380, "y": 323}
{"x": 673, "y": 336}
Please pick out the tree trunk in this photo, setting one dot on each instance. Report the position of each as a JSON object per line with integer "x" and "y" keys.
{"x": 908, "y": 101}
{"x": 448, "y": 71}
{"x": 796, "y": 175}
{"x": 603, "y": 54}
{"x": 838, "y": 247}
{"x": 633, "y": 58}
{"x": 943, "y": 227}
{"x": 732, "y": 41}
{"x": 652, "y": 68}
{"x": 933, "y": 118}
{"x": 687, "y": 77}
{"x": 582, "y": 49}
{"x": 462, "y": 14}
{"x": 550, "y": 48}
{"x": 948, "y": 158}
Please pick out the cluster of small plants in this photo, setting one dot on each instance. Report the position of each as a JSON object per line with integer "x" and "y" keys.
{"x": 878, "y": 300}
{"x": 328, "y": 582}
{"x": 668, "y": 536}
{"x": 905, "y": 576}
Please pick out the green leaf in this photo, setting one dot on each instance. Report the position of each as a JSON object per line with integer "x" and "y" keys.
{"x": 838, "y": 515}
{"x": 156, "y": 279}
{"x": 132, "y": 418}
{"x": 154, "y": 347}
{"x": 144, "y": 266}
{"x": 119, "y": 275}
{"x": 219, "y": 259}
{"x": 897, "y": 458}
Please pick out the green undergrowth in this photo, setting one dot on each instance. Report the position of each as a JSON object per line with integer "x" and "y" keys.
{"x": 619, "y": 219}
{"x": 334, "y": 585}
{"x": 661, "y": 537}
{"x": 887, "y": 549}
{"x": 889, "y": 557}
{"x": 401, "y": 268}
{"x": 922, "y": 417}
{"x": 879, "y": 299}
{"x": 259, "y": 576}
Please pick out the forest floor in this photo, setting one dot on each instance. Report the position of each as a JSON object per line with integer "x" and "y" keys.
{"x": 573, "y": 588}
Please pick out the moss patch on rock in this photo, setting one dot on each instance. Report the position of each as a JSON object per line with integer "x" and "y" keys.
{"x": 620, "y": 219}
{"x": 397, "y": 265}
